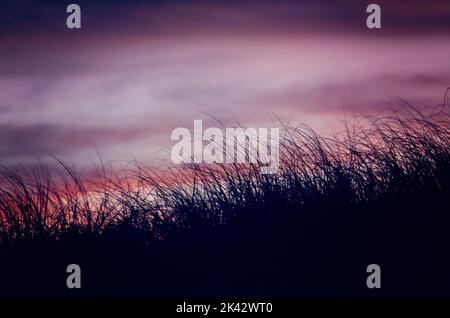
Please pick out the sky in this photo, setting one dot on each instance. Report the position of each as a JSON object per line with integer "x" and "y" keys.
{"x": 136, "y": 70}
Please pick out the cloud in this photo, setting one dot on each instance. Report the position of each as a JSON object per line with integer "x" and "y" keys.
{"x": 38, "y": 140}
{"x": 138, "y": 69}
{"x": 155, "y": 18}
{"x": 369, "y": 95}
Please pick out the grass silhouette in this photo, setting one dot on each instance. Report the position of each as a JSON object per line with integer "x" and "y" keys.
{"x": 376, "y": 192}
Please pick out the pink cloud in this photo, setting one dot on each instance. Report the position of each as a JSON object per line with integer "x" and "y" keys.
{"x": 127, "y": 92}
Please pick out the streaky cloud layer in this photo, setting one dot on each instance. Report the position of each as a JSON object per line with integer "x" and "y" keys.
{"x": 137, "y": 70}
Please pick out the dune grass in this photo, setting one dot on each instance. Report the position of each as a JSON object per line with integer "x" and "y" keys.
{"x": 376, "y": 192}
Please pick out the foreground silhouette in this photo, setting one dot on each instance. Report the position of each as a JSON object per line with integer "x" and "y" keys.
{"x": 377, "y": 193}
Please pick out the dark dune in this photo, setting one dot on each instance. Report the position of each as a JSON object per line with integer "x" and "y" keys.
{"x": 378, "y": 193}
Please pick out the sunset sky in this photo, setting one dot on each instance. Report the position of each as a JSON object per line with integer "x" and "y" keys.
{"x": 138, "y": 69}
